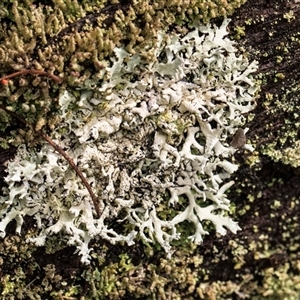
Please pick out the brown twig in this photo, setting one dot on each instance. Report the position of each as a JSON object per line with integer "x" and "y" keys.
{"x": 33, "y": 72}
{"x": 75, "y": 168}
{"x": 48, "y": 139}
{"x": 65, "y": 156}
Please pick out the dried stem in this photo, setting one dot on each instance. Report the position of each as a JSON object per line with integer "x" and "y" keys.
{"x": 76, "y": 169}
{"x": 33, "y": 72}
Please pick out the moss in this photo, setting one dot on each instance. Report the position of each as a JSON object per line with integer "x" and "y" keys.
{"x": 240, "y": 32}
{"x": 72, "y": 40}
{"x": 279, "y": 101}
{"x": 286, "y": 127}
{"x": 113, "y": 276}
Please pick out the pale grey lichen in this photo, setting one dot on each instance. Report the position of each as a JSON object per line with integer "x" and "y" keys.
{"x": 146, "y": 136}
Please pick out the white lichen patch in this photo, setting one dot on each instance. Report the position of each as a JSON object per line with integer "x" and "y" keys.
{"x": 150, "y": 138}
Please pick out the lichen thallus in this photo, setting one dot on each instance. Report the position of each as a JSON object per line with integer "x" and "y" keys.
{"x": 4, "y": 81}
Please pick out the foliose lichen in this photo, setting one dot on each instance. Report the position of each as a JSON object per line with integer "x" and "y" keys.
{"x": 149, "y": 137}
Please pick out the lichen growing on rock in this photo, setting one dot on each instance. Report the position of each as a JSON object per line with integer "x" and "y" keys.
{"x": 150, "y": 137}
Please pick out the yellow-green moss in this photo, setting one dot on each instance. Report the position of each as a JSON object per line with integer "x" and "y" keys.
{"x": 72, "y": 39}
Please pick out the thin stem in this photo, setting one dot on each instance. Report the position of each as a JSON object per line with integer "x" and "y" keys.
{"x": 34, "y": 72}
{"x": 76, "y": 169}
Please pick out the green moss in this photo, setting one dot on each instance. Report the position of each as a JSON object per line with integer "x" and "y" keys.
{"x": 73, "y": 39}
{"x": 239, "y": 32}
{"x": 289, "y": 156}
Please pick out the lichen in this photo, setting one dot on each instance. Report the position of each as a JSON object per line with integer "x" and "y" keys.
{"x": 149, "y": 136}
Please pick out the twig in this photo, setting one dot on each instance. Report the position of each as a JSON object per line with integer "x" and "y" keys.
{"x": 33, "y": 72}
{"x": 76, "y": 169}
